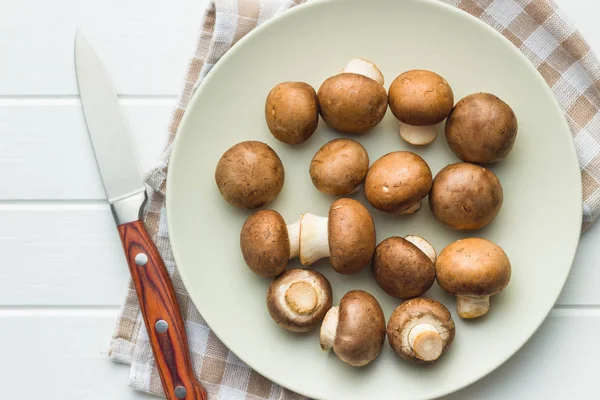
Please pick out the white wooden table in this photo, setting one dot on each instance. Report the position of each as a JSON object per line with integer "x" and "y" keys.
{"x": 62, "y": 271}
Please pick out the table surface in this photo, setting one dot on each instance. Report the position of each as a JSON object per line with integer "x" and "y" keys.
{"x": 62, "y": 271}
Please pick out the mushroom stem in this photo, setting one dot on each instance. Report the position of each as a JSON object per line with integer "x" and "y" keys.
{"x": 314, "y": 238}
{"x": 412, "y": 209}
{"x": 472, "y": 306}
{"x": 329, "y": 328}
{"x": 356, "y": 189}
{"x": 418, "y": 135}
{"x": 364, "y": 67}
{"x": 426, "y": 342}
{"x": 294, "y": 236}
{"x": 301, "y": 297}
{"x": 424, "y": 246}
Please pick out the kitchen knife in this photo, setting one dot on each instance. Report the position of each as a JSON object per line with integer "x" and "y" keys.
{"x": 126, "y": 195}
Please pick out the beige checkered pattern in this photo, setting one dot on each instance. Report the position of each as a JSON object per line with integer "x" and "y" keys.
{"x": 536, "y": 27}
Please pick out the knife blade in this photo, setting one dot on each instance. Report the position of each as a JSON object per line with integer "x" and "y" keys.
{"x": 126, "y": 193}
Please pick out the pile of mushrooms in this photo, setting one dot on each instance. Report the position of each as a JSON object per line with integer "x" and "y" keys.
{"x": 481, "y": 129}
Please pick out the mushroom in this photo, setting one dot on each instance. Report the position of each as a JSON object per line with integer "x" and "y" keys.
{"x": 339, "y": 167}
{"x": 249, "y": 175}
{"x": 401, "y": 269}
{"x": 420, "y": 330}
{"x": 355, "y": 330}
{"x": 292, "y": 112}
{"x": 268, "y": 243}
{"x": 420, "y": 100}
{"x": 346, "y": 236}
{"x": 298, "y": 299}
{"x": 352, "y": 102}
{"x": 364, "y": 67}
{"x": 473, "y": 269}
{"x": 465, "y": 196}
{"x": 481, "y": 129}
{"x": 397, "y": 182}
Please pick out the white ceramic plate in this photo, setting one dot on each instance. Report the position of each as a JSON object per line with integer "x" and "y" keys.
{"x": 538, "y": 225}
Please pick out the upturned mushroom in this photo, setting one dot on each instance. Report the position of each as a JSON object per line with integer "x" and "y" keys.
{"x": 481, "y": 129}
{"x": 465, "y": 196}
{"x": 298, "y": 299}
{"x": 420, "y": 330}
{"x": 268, "y": 243}
{"x": 473, "y": 269}
{"x": 249, "y": 175}
{"x": 346, "y": 236}
{"x": 420, "y": 100}
{"x": 292, "y": 112}
{"x": 401, "y": 269}
{"x": 397, "y": 182}
{"x": 353, "y": 101}
{"x": 355, "y": 330}
{"x": 339, "y": 167}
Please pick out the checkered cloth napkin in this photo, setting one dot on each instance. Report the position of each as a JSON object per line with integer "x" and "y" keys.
{"x": 536, "y": 27}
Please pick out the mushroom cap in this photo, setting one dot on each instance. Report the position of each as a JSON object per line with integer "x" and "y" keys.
{"x": 351, "y": 234}
{"x": 420, "y": 98}
{"x": 352, "y": 103}
{"x": 473, "y": 267}
{"x": 481, "y": 129}
{"x": 298, "y": 299}
{"x": 413, "y": 312}
{"x": 397, "y": 181}
{"x": 265, "y": 243}
{"x": 361, "y": 329}
{"x": 465, "y": 196}
{"x": 339, "y": 167}
{"x": 401, "y": 269}
{"x": 249, "y": 175}
{"x": 292, "y": 112}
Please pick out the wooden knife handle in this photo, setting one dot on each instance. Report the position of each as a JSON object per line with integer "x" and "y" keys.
{"x": 158, "y": 302}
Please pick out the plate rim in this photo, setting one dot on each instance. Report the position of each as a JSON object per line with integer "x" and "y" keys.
{"x": 301, "y": 8}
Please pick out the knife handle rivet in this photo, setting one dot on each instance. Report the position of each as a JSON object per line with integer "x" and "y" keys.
{"x": 161, "y": 326}
{"x": 180, "y": 392}
{"x": 141, "y": 259}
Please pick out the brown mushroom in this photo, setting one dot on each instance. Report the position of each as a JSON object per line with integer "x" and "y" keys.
{"x": 292, "y": 112}
{"x": 355, "y": 330}
{"x": 346, "y": 236}
{"x": 481, "y": 129}
{"x": 401, "y": 269}
{"x": 268, "y": 243}
{"x": 420, "y": 100}
{"x": 420, "y": 330}
{"x": 465, "y": 196}
{"x": 298, "y": 299}
{"x": 397, "y": 182}
{"x": 339, "y": 167}
{"x": 364, "y": 67}
{"x": 249, "y": 175}
{"x": 473, "y": 269}
{"x": 352, "y": 103}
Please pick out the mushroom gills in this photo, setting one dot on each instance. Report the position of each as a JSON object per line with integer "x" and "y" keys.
{"x": 364, "y": 67}
{"x": 314, "y": 238}
{"x": 424, "y": 246}
{"x": 418, "y": 135}
{"x": 426, "y": 342}
{"x": 329, "y": 328}
{"x": 294, "y": 236}
{"x": 472, "y": 306}
{"x": 412, "y": 209}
